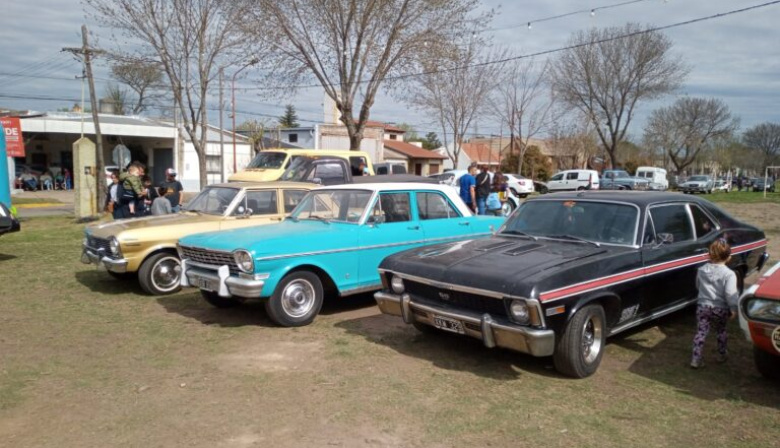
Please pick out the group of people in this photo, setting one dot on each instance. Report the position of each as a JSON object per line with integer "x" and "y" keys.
{"x": 483, "y": 192}
{"x": 131, "y": 193}
{"x": 62, "y": 181}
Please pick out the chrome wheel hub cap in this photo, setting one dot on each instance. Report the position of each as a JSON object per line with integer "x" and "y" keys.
{"x": 591, "y": 339}
{"x": 165, "y": 274}
{"x": 298, "y": 298}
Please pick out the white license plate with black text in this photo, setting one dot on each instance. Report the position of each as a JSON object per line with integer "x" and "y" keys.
{"x": 447, "y": 324}
{"x": 204, "y": 283}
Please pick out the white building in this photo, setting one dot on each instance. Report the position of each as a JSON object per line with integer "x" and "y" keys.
{"x": 333, "y": 136}
{"x": 156, "y": 143}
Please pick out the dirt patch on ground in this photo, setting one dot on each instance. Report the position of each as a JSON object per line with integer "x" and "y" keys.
{"x": 274, "y": 356}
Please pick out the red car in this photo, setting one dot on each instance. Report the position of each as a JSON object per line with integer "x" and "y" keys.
{"x": 760, "y": 319}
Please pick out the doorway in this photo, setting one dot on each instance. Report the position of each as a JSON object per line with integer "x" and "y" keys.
{"x": 163, "y": 159}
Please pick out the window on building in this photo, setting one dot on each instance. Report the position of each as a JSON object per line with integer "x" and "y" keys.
{"x": 293, "y": 138}
{"x": 213, "y": 164}
{"x": 393, "y": 137}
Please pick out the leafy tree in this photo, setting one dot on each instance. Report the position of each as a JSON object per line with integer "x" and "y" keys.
{"x": 536, "y": 165}
{"x": 764, "y": 137}
{"x": 431, "y": 141}
{"x": 290, "y": 118}
{"x": 607, "y": 72}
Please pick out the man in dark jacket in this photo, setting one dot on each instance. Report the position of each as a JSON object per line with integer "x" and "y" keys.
{"x": 482, "y": 189}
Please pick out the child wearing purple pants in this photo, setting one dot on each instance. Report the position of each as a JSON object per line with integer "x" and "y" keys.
{"x": 717, "y": 303}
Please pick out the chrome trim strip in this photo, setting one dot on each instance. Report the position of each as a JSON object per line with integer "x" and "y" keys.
{"x": 652, "y": 316}
{"x": 360, "y": 289}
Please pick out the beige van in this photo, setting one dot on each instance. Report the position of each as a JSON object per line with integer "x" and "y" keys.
{"x": 269, "y": 165}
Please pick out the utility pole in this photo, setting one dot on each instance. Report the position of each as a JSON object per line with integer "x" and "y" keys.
{"x": 87, "y": 52}
{"x": 221, "y": 126}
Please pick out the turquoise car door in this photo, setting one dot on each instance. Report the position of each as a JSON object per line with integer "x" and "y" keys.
{"x": 391, "y": 227}
{"x": 439, "y": 219}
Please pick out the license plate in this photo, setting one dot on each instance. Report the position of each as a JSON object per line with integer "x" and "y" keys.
{"x": 204, "y": 283}
{"x": 447, "y": 324}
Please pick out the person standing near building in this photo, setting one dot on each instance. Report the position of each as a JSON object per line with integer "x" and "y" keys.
{"x": 467, "y": 184}
{"x": 173, "y": 190}
{"x": 112, "y": 204}
{"x": 161, "y": 205}
{"x": 483, "y": 189}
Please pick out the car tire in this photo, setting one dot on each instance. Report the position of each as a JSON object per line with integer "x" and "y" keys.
{"x": 523, "y": 196}
{"x": 216, "y": 301}
{"x": 514, "y": 192}
{"x": 581, "y": 188}
{"x": 122, "y": 275}
{"x": 297, "y": 300}
{"x": 160, "y": 274}
{"x": 767, "y": 364}
{"x": 507, "y": 208}
{"x": 579, "y": 349}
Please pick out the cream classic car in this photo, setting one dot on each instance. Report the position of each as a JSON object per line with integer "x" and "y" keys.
{"x": 147, "y": 246}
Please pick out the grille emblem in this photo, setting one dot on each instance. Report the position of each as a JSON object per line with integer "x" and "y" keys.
{"x": 444, "y": 295}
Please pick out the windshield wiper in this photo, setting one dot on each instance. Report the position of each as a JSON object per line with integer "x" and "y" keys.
{"x": 519, "y": 233}
{"x": 320, "y": 218}
{"x": 575, "y": 238}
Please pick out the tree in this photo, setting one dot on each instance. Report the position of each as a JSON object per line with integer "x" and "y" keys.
{"x": 572, "y": 143}
{"x": 352, "y": 47}
{"x": 524, "y": 103}
{"x": 535, "y": 166}
{"x": 410, "y": 134}
{"x": 143, "y": 78}
{"x": 431, "y": 141}
{"x": 290, "y": 118}
{"x": 255, "y": 131}
{"x": 607, "y": 72}
{"x": 456, "y": 91}
{"x": 187, "y": 40}
{"x": 764, "y": 137}
{"x": 118, "y": 98}
{"x": 687, "y": 127}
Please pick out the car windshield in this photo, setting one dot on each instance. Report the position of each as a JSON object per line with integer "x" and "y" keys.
{"x": 698, "y": 179}
{"x": 333, "y": 206}
{"x": 212, "y": 200}
{"x": 599, "y": 222}
{"x": 268, "y": 159}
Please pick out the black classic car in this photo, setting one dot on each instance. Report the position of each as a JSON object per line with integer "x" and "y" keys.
{"x": 8, "y": 222}
{"x": 567, "y": 270}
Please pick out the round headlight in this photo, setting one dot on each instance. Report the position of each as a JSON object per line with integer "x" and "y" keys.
{"x": 85, "y": 241}
{"x": 397, "y": 284}
{"x": 244, "y": 261}
{"x": 519, "y": 310}
{"x": 114, "y": 246}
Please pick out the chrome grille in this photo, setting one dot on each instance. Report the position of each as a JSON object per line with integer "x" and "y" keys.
{"x": 458, "y": 299}
{"x": 98, "y": 244}
{"x": 210, "y": 258}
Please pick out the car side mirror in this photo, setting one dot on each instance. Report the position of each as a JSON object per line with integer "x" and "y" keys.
{"x": 663, "y": 238}
{"x": 379, "y": 219}
{"x": 243, "y": 212}
{"x": 317, "y": 180}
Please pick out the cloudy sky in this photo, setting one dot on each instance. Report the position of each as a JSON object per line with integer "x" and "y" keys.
{"x": 734, "y": 58}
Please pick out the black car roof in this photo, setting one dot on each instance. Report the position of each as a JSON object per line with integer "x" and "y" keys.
{"x": 640, "y": 198}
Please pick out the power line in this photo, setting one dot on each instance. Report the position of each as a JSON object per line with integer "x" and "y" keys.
{"x": 592, "y": 11}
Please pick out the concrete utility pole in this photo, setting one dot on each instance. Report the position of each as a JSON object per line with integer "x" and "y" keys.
{"x": 222, "y": 126}
{"x": 87, "y": 52}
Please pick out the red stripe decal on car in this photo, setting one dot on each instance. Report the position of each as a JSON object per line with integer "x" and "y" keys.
{"x": 615, "y": 279}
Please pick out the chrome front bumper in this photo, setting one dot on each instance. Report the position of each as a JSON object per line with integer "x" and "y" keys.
{"x": 219, "y": 281}
{"x": 96, "y": 257}
{"x": 484, "y": 327}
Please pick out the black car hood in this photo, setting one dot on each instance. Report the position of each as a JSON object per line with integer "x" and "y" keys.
{"x": 498, "y": 264}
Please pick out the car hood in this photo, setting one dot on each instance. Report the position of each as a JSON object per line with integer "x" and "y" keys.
{"x": 506, "y": 264}
{"x": 286, "y": 237}
{"x": 152, "y": 223}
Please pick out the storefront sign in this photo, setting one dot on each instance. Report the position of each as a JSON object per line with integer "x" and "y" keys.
{"x": 14, "y": 142}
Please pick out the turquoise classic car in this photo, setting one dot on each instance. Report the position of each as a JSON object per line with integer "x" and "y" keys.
{"x": 332, "y": 243}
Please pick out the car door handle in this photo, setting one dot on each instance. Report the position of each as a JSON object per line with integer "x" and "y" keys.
{"x": 464, "y": 223}
{"x": 701, "y": 250}
{"x": 413, "y": 227}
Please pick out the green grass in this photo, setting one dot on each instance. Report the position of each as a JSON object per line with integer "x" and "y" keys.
{"x": 86, "y": 360}
{"x": 743, "y": 197}
{"x": 25, "y": 201}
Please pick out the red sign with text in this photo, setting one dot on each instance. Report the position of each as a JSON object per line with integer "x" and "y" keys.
{"x": 14, "y": 142}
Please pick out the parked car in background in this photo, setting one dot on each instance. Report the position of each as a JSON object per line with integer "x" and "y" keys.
{"x": 760, "y": 184}
{"x": 331, "y": 244}
{"x": 759, "y": 317}
{"x": 722, "y": 186}
{"x": 697, "y": 184}
{"x": 147, "y": 246}
{"x": 540, "y": 187}
{"x": 656, "y": 176}
{"x": 566, "y": 271}
{"x": 8, "y": 222}
{"x": 270, "y": 164}
{"x": 519, "y": 185}
{"x": 390, "y": 168}
{"x": 451, "y": 179}
{"x": 573, "y": 180}
{"x": 621, "y": 180}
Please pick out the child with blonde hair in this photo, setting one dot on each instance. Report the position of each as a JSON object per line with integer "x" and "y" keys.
{"x": 132, "y": 185}
{"x": 717, "y": 302}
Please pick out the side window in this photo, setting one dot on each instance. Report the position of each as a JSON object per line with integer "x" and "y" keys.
{"x": 649, "y": 235}
{"x": 262, "y": 202}
{"x": 399, "y": 169}
{"x": 328, "y": 171}
{"x": 435, "y": 206}
{"x": 557, "y": 177}
{"x": 572, "y": 176}
{"x": 674, "y": 220}
{"x": 381, "y": 169}
{"x": 292, "y": 198}
{"x": 394, "y": 207}
{"x": 701, "y": 222}
{"x": 355, "y": 162}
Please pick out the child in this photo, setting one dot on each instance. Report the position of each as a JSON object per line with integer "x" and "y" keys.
{"x": 131, "y": 183}
{"x": 717, "y": 303}
{"x": 161, "y": 204}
